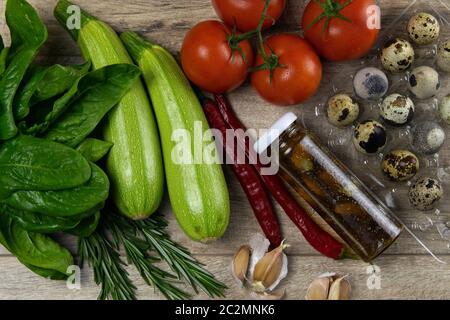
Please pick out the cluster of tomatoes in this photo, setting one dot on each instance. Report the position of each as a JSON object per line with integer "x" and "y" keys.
{"x": 217, "y": 55}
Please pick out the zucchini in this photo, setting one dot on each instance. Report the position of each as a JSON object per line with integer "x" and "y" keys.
{"x": 197, "y": 191}
{"x": 134, "y": 164}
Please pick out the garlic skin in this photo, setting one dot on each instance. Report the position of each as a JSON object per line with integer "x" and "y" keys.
{"x": 340, "y": 289}
{"x": 268, "y": 269}
{"x": 258, "y": 270}
{"x": 319, "y": 289}
{"x": 240, "y": 264}
{"x": 329, "y": 286}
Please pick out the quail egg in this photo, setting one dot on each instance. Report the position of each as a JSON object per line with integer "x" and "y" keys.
{"x": 397, "y": 55}
{"x": 423, "y": 28}
{"x": 371, "y": 83}
{"x": 397, "y": 110}
{"x": 443, "y": 56}
{"x": 428, "y": 137}
{"x": 400, "y": 165}
{"x": 425, "y": 193}
{"x": 342, "y": 110}
{"x": 444, "y": 109}
{"x": 369, "y": 137}
{"x": 424, "y": 82}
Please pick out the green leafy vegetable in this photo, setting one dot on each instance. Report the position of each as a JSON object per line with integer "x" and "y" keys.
{"x": 106, "y": 87}
{"x": 46, "y": 273}
{"x": 35, "y": 250}
{"x": 3, "y": 55}
{"x": 28, "y": 33}
{"x": 87, "y": 226}
{"x": 67, "y": 202}
{"x": 94, "y": 149}
{"x": 28, "y": 163}
{"x": 45, "y": 83}
{"x": 58, "y": 108}
{"x": 36, "y": 222}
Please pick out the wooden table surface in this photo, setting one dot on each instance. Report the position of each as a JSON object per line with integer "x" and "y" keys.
{"x": 406, "y": 271}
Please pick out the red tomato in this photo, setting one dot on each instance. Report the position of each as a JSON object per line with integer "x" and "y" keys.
{"x": 245, "y": 14}
{"x": 209, "y": 61}
{"x": 343, "y": 40}
{"x": 299, "y": 76}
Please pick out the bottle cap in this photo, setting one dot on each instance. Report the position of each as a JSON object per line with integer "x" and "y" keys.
{"x": 274, "y": 132}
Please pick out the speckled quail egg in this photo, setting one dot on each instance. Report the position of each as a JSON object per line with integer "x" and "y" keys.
{"x": 397, "y": 110}
{"x": 371, "y": 83}
{"x": 444, "y": 109}
{"x": 423, "y": 28}
{"x": 424, "y": 82}
{"x": 342, "y": 110}
{"x": 369, "y": 137}
{"x": 397, "y": 55}
{"x": 425, "y": 194}
{"x": 400, "y": 165}
{"x": 428, "y": 137}
{"x": 443, "y": 56}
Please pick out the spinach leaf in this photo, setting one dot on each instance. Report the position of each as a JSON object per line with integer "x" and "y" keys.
{"x": 58, "y": 108}
{"x": 28, "y": 33}
{"x": 46, "y": 273}
{"x": 28, "y": 163}
{"x": 34, "y": 249}
{"x": 44, "y": 83}
{"x": 36, "y": 222}
{"x": 3, "y": 55}
{"x": 106, "y": 86}
{"x": 67, "y": 202}
{"x": 87, "y": 226}
{"x": 94, "y": 149}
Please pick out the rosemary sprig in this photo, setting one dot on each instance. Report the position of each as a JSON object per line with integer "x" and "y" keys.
{"x": 109, "y": 271}
{"x": 145, "y": 243}
{"x": 178, "y": 258}
{"x": 137, "y": 252}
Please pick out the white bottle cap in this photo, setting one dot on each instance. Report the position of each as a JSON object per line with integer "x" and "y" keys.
{"x": 274, "y": 132}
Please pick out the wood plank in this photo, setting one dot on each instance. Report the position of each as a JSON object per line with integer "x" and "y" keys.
{"x": 166, "y": 22}
{"x": 402, "y": 277}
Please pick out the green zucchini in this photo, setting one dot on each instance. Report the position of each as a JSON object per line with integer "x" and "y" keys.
{"x": 134, "y": 164}
{"x": 197, "y": 190}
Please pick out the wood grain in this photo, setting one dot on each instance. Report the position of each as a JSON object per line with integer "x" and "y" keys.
{"x": 406, "y": 271}
{"x": 400, "y": 277}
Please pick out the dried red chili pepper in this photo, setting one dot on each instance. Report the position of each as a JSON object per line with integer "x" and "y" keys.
{"x": 248, "y": 177}
{"x": 321, "y": 240}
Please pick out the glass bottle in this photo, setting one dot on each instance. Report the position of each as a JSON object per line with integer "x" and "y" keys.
{"x": 330, "y": 188}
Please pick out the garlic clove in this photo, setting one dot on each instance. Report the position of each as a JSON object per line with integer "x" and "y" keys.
{"x": 340, "y": 289}
{"x": 240, "y": 263}
{"x": 319, "y": 289}
{"x": 268, "y": 270}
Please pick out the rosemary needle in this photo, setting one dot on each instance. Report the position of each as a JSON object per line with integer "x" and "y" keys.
{"x": 146, "y": 243}
{"x": 177, "y": 257}
{"x": 109, "y": 271}
{"x": 137, "y": 254}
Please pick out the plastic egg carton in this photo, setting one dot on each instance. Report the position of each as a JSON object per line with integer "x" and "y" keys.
{"x": 431, "y": 225}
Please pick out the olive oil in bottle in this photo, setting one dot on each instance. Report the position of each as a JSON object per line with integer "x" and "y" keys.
{"x": 330, "y": 188}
